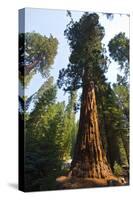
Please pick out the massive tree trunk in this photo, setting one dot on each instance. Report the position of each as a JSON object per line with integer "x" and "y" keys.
{"x": 89, "y": 160}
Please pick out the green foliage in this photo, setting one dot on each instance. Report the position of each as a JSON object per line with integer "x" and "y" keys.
{"x": 117, "y": 169}
{"x": 122, "y": 93}
{"x": 87, "y": 53}
{"x": 49, "y": 132}
{"x": 114, "y": 123}
{"x": 36, "y": 54}
{"x": 119, "y": 51}
{"x": 122, "y": 80}
{"x": 113, "y": 126}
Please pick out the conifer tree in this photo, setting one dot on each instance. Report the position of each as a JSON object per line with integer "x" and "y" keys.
{"x": 87, "y": 64}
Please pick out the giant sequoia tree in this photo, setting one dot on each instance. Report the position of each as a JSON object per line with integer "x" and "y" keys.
{"x": 87, "y": 64}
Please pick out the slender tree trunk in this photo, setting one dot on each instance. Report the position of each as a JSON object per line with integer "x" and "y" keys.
{"x": 89, "y": 158}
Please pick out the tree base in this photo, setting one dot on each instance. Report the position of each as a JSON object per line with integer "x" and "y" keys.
{"x": 65, "y": 182}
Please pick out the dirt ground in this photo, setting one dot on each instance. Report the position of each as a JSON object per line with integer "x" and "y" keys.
{"x": 65, "y": 182}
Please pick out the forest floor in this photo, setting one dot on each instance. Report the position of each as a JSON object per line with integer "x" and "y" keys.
{"x": 65, "y": 182}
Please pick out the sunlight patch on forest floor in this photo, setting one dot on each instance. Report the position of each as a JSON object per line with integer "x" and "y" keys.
{"x": 65, "y": 182}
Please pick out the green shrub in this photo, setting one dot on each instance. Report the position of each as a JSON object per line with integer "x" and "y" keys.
{"x": 117, "y": 169}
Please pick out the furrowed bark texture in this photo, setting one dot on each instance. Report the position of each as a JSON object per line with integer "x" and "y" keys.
{"x": 89, "y": 160}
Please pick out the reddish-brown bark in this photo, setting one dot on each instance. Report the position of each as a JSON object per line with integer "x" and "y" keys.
{"x": 89, "y": 158}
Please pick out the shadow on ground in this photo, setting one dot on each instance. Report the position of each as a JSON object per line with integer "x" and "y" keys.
{"x": 13, "y": 185}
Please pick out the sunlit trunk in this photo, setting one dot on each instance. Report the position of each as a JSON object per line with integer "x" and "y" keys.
{"x": 89, "y": 158}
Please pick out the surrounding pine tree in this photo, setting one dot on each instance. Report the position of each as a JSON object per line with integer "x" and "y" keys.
{"x": 49, "y": 134}
{"x": 113, "y": 126}
{"x": 36, "y": 54}
{"x": 119, "y": 51}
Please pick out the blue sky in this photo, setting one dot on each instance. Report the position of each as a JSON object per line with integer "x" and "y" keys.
{"x": 54, "y": 22}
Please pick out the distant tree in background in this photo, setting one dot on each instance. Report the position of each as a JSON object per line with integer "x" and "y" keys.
{"x": 49, "y": 134}
{"x": 119, "y": 51}
{"x": 113, "y": 126}
{"x": 36, "y": 54}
